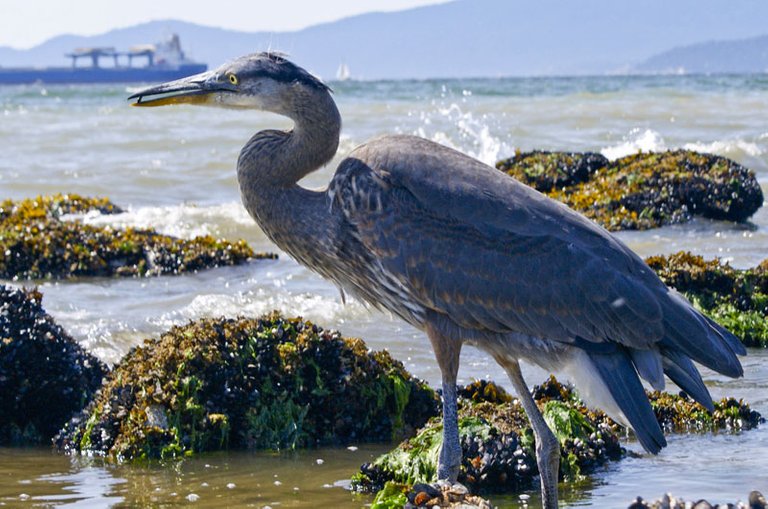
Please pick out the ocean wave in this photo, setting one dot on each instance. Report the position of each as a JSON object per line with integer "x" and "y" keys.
{"x": 638, "y": 140}
{"x": 648, "y": 140}
{"x": 317, "y": 308}
{"x": 183, "y": 221}
{"x": 727, "y": 148}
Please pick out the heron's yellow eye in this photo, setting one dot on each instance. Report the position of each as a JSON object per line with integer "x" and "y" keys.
{"x": 233, "y": 79}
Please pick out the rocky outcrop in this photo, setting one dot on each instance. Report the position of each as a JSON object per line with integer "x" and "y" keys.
{"x": 644, "y": 190}
{"x": 45, "y": 376}
{"x": 35, "y": 243}
{"x": 271, "y": 382}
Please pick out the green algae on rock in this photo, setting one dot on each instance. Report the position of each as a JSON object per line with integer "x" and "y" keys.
{"x": 271, "y": 382}
{"x": 498, "y": 444}
{"x": 546, "y": 171}
{"x": 35, "y": 243}
{"x": 680, "y": 414}
{"x": 45, "y": 375}
{"x": 644, "y": 190}
{"x": 736, "y": 299}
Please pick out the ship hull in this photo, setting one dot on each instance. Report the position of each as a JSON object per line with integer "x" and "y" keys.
{"x": 18, "y": 76}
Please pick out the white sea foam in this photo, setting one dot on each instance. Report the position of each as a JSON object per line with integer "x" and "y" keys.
{"x": 184, "y": 220}
{"x": 318, "y": 308}
{"x": 648, "y": 140}
{"x": 728, "y": 148}
{"x": 645, "y": 140}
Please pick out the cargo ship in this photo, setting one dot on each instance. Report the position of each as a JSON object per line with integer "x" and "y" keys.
{"x": 161, "y": 62}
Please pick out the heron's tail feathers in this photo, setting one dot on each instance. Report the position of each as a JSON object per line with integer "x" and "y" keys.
{"x": 696, "y": 336}
{"x": 679, "y": 368}
{"x": 629, "y": 403}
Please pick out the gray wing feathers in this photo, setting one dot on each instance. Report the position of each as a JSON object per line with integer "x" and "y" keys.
{"x": 491, "y": 253}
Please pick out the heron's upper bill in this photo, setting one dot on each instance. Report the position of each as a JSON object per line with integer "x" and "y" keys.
{"x": 197, "y": 89}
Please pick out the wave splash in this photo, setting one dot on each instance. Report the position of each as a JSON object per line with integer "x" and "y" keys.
{"x": 649, "y": 140}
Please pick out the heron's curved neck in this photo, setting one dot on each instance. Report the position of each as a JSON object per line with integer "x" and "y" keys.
{"x": 277, "y": 159}
{"x": 272, "y": 162}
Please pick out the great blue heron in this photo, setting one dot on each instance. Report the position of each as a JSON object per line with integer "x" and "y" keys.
{"x": 464, "y": 253}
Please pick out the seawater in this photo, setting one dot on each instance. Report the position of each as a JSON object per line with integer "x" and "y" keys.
{"x": 173, "y": 169}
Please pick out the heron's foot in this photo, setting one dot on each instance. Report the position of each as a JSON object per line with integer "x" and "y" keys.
{"x": 548, "y": 460}
{"x": 449, "y": 464}
{"x": 444, "y": 494}
{"x": 448, "y": 474}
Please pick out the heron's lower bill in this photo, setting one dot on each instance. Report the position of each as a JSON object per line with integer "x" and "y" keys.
{"x": 173, "y": 97}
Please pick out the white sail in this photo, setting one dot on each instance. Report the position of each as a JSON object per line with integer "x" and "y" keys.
{"x": 342, "y": 73}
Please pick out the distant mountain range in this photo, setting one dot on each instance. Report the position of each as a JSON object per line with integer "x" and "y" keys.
{"x": 466, "y": 38}
{"x": 745, "y": 55}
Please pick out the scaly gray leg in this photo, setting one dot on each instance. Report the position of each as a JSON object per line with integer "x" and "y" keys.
{"x": 547, "y": 446}
{"x": 447, "y": 352}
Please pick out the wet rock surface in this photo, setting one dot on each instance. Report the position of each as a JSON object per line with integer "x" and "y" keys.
{"x": 755, "y": 500}
{"x": 498, "y": 444}
{"x": 45, "y": 376}
{"x": 36, "y": 243}
{"x": 546, "y": 171}
{"x": 644, "y": 190}
{"x": 271, "y": 382}
{"x": 736, "y": 299}
{"x": 444, "y": 495}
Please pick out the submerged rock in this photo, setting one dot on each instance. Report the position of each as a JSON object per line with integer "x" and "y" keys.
{"x": 36, "y": 243}
{"x": 248, "y": 383}
{"x": 736, "y": 299}
{"x": 756, "y": 500}
{"x": 498, "y": 444}
{"x": 45, "y": 375}
{"x": 644, "y": 190}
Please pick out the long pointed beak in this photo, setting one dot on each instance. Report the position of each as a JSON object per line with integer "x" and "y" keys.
{"x": 197, "y": 89}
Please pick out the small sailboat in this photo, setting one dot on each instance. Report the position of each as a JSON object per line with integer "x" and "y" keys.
{"x": 342, "y": 73}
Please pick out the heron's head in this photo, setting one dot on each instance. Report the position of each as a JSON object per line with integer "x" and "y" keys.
{"x": 264, "y": 81}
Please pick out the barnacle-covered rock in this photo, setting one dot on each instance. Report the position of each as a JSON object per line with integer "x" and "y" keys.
{"x": 271, "y": 382}
{"x": 45, "y": 375}
{"x": 680, "y": 414}
{"x": 676, "y": 413}
{"x": 644, "y": 190}
{"x": 36, "y": 243}
{"x": 546, "y": 171}
{"x": 442, "y": 495}
{"x": 736, "y": 299}
{"x": 498, "y": 444}
{"x": 755, "y": 500}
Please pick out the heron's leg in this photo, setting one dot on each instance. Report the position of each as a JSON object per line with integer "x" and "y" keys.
{"x": 547, "y": 446}
{"x": 447, "y": 352}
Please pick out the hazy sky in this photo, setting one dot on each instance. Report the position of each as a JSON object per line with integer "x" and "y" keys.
{"x": 26, "y": 23}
